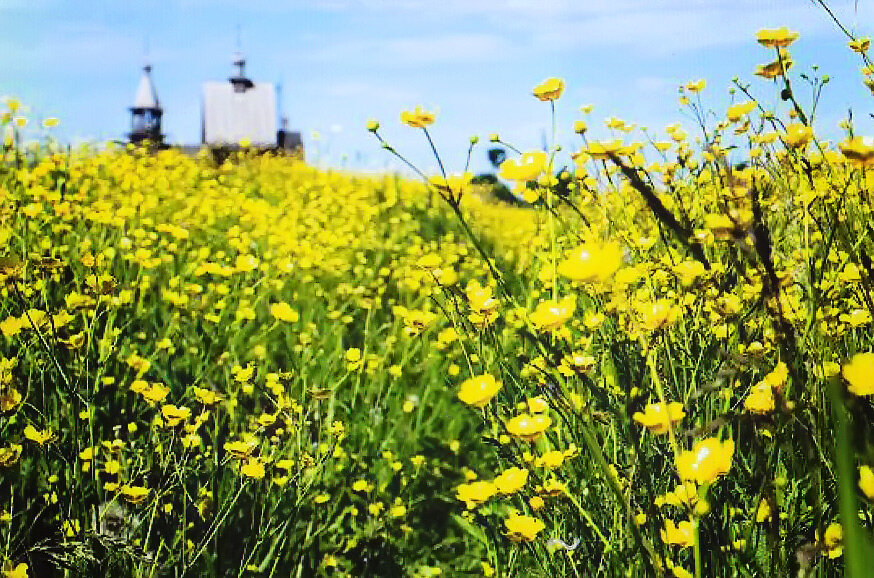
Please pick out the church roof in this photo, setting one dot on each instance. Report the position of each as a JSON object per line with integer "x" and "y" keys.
{"x": 147, "y": 96}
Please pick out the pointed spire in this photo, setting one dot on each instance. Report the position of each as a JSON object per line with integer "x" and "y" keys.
{"x": 147, "y": 96}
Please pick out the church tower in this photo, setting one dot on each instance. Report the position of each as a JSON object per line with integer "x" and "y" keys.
{"x": 146, "y": 112}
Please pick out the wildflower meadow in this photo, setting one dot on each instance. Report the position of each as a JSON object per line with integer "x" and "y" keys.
{"x": 655, "y": 360}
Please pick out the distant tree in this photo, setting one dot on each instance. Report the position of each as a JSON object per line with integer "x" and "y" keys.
{"x": 498, "y": 189}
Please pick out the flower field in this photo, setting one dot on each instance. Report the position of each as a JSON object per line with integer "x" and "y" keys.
{"x": 658, "y": 362}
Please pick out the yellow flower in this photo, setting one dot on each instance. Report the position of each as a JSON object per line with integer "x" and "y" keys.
{"x": 284, "y": 312}
{"x": 551, "y": 460}
{"x": 861, "y": 45}
{"x": 708, "y": 459}
{"x": 685, "y": 495}
{"x": 592, "y": 262}
{"x": 173, "y": 415}
{"x": 552, "y": 488}
{"x": 656, "y": 419}
{"x": 551, "y": 315}
{"x": 528, "y": 426}
{"x": 475, "y": 493}
{"x": 523, "y": 528}
{"x": 859, "y": 373}
{"x": 737, "y": 111}
{"x": 10, "y": 398}
{"x": 859, "y": 150}
{"x": 527, "y": 168}
{"x": 9, "y": 455}
{"x": 773, "y": 69}
{"x": 776, "y": 38}
{"x": 866, "y": 481}
{"x": 253, "y": 469}
{"x": 537, "y": 404}
{"x": 511, "y": 481}
{"x": 19, "y": 571}
{"x": 479, "y": 390}
{"x": 549, "y": 89}
{"x": 40, "y": 437}
{"x": 689, "y": 271}
{"x": 155, "y": 393}
{"x": 833, "y": 540}
{"x": 134, "y": 494}
{"x": 580, "y": 126}
{"x": 480, "y": 298}
{"x": 763, "y": 512}
{"x": 682, "y": 534}
{"x": 696, "y": 86}
{"x": 797, "y": 135}
{"x": 206, "y": 396}
{"x": 602, "y": 150}
{"x": 760, "y": 399}
{"x": 417, "y": 118}
{"x": 361, "y": 486}
{"x": 658, "y": 314}
{"x": 12, "y": 326}
{"x": 239, "y": 449}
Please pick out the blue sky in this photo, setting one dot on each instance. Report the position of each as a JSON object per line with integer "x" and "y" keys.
{"x": 341, "y": 62}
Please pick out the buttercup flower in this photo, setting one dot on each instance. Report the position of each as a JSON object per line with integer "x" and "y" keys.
{"x": 40, "y": 437}
{"x": 859, "y": 150}
{"x": 696, "y": 86}
{"x": 528, "y": 426}
{"x": 475, "y": 493}
{"x": 550, "y": 315}
{"x": 549, "y": 89}
{"x": 527, "y": 168}
{"x": 523, "y": 528}
{"x": 9, "y": 455}
{"x": 253, "y": 468}
{"x": 479, "y": 390}
{"x": 417, "y": 118}
{"x": 511, "y": 480}
{"x": 134, "y": 494}
{"x": 797, "y": 135}
{"x": 656, "y": 418}
{"x": 833, "y": 540}
{"x": 659, "y": 314}
{"x": 859, "y": 373}
{"x": 777, "y": 37}
{"x": 866, "y": 481}
{"x": 592, "y": 262}
{"x": 737, "y": 111}
{"x": 706, "y": 461}
{"x": 760, "y": 399}
{"x": 284, "y": 312}
{"x": 682, "y": 534}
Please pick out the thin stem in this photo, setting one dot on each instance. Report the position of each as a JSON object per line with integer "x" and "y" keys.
{"x": 434, "y": 149}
